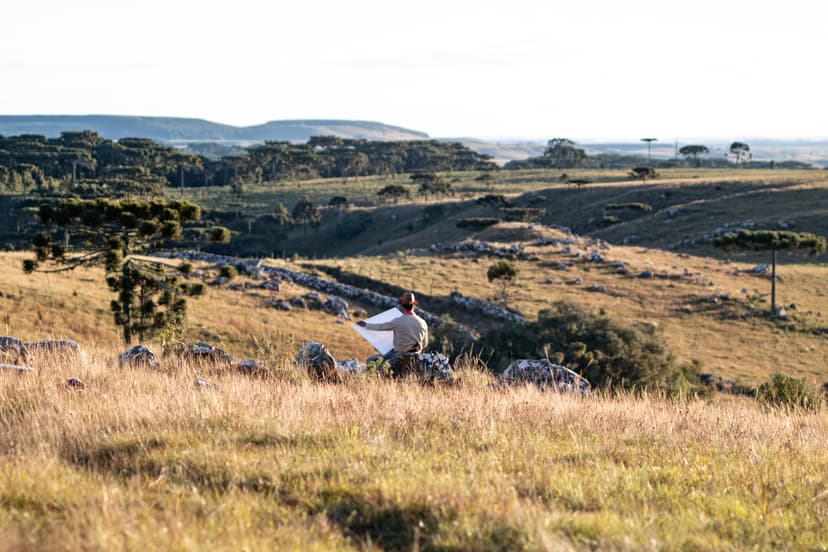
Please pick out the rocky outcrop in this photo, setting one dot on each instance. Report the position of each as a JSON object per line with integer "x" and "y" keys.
{"x": 487, "y": 309}
{"x": 13, "y": 351}
{"x": 318, "y": 362}
{"x": 200, "y": 353}
{"x": 139, "y": 357}
{"x": 61, "y": 347}
{"x": 546, "y": 375}
{"x": 303, "y": 279}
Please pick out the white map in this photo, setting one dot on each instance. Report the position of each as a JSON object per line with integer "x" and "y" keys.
{"x": 381, "y": 341}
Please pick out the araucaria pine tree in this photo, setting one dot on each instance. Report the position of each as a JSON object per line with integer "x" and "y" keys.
{"x": 115, "y": 233}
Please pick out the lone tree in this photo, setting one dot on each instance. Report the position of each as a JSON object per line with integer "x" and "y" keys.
{"x": 649, "y": 148}
{"x": 393, "y": 192}
{"x": 694, "y": 150}
{"x": 307, "y": 213}
{"x": 561, "y": 153}
{"x": 504, "y": 273}
{"x": 774, "y": 241}
{"x": 643, "y": 173}
{"x": 741, "y": 151}
{"x": 431, "y": 183}
{"x": 150, "y": 297}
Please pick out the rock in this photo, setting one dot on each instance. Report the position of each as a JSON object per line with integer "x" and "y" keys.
{"x": 350, "y": 366}
{"x": 75, "y": 383}
{"x": 483, "y": 307}
{"x": 360, "y": 312}
{"x": 338, "y": 306}
{"x": 760, "y": 269}
{"x": 318, "y": 361}
{"x": 562, "y": 266}
{"x": 622, "y": 271}
{"x": 200, "y": 353}
{"x": 713, "y": 299}
{"x": 313, "y": 296}
{"x": 16, "y": 368}
{"x": 649, "y": 326}
{"x": 281, "y": 305}
{"x": 647, "y": 274}
{"x": 631, "y": 239}
{"x": 299, "y": 303}
{"x": 55, "y": 346}
{"x": 724, "y": 385}
{"x": 249, "y": 367}
{"x": 139, "y": 357}
{"x": 272, "y": 285}
{"x": 575, "y": 282}
{"x": 13, "y": 351}
{"x": 428, "y": 368}
{"x": 543, "y": 373}
{"x": 201, "y": 383}
{"x": 597, "y": 288}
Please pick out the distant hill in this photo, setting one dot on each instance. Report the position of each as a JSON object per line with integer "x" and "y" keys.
{"x": 182, "y": 130}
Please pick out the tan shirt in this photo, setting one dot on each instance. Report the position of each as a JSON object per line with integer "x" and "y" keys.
{"x": 410, "y": 332}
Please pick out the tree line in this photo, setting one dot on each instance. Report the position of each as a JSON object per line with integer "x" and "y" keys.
{"x": 563, "y": 153}
{"x": 79, "y": 159}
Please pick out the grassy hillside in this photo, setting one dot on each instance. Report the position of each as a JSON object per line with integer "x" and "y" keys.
{"x": 145, "y": 459}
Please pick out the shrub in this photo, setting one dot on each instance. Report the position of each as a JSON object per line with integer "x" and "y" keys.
{"x": 788, "y": 392}
{"x": 522, "y": 214}
{"x": 494, "y": 200}
{"x": 607, "y": 352}
{"x": 477, "y": 223}
{"x": 646, "y": 207}
{"x": 228, "y": 271}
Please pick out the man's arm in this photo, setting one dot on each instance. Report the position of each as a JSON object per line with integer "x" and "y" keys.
{"x": 380, "y": 327}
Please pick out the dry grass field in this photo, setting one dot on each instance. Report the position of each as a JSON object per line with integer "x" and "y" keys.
{"x": 147, "y": 459}
{"x": 143, "y": 459}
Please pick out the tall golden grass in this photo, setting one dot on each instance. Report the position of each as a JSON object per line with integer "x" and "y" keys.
{"x": 144, "y": 459}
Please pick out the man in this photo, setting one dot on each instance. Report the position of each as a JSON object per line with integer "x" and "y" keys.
{"x": 410, "y": 331}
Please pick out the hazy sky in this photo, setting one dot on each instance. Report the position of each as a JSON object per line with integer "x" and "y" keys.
{"x": 584, "y": 69}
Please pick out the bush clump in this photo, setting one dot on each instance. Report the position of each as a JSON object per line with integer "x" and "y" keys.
{"x": 789, "y": 392}
{"x": 477, "y": 223}
{"x": 523, "y": 214}
{"x": 608, "y": 353}
{"x": 228, "y": 271}
{"x": 646, "y": 207}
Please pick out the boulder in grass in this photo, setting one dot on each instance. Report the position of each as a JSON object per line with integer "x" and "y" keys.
{"x": 15, "y": 368}
{"x": 428, "y": 368}
{"x": 75, "y": 383}
{"x": 139, "y": 356}
{"x": 13, "y": 351}
{"x": 200, "y": 353}
{"x": 60, "y": 348}
{"x": 318, "y": 361}
{"x": 338, "y": 306}
{"x": 546, "y": 375}
{"x": 249, "y": 367}
{"x": 350, "y": 366}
